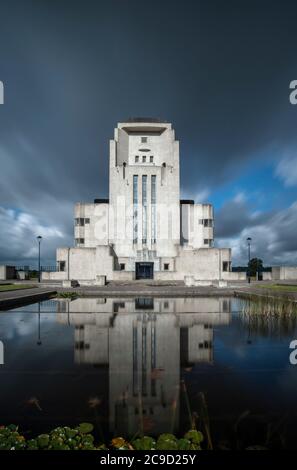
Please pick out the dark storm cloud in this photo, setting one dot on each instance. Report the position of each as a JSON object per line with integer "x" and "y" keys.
{"x": 219, "y": 71}
{"x": 273, "y": 233}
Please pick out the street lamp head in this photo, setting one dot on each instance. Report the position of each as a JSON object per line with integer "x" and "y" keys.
{"x": 39, "y": 238}
{"x": 249, "y": 239}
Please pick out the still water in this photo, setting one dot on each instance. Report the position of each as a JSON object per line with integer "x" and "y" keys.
{"x": 152, "y": 366}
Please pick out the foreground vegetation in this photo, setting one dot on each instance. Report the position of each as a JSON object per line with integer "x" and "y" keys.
{"x": 68, "y": 295}
{"x": 266, "y": 304}
{"x": 9, "y": 287}
{"x": 80, "y": 438}
{"x": 279, "y": 287}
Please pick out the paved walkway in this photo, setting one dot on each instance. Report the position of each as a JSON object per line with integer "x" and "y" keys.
{"x": 10, "y": 299}
{"x": 14, "y": 298}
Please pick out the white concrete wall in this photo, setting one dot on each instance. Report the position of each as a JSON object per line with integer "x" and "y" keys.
{"x": 96, "y": 232}
{"x": 266, "y": 276}
{"x": 164, "y": 148}
{"x": 2, "y": 272}
{"x": 7, "y": 272}
{"x": 233, "y": 276}
{"x": 194, "y": 232}
{"x": 284, "y": 273}
{"x": 204, "y": 263}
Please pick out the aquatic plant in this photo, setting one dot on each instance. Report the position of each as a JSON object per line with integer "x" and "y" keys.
{"x": 67, "y": 295}
{"x": 80, "y": 438}
{"x": 269, "y": 315}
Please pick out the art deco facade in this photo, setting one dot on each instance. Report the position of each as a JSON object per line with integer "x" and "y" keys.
{"x": 144, "y": 229}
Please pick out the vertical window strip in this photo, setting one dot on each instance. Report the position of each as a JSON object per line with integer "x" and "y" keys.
{"x": 135, "y": 210}
{"x": 144, "y": 209}
{"x": 153, "y": 204}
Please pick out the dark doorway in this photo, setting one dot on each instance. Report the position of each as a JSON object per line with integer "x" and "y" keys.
{"x": 144, "y": 270}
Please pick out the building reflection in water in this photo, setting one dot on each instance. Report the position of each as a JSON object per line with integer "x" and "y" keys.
{"x": 145, "y": 342}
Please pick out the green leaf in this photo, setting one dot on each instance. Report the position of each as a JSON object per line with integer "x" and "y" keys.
{"x": 184, "y": 444}
{"x": 85, "y": 428}
{"x": 144, "y": 443}
{"x": 194, "y": 436}
{"x": 43, "y": 440}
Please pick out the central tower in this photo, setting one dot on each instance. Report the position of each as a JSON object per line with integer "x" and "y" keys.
{"x": 144, "y": 199}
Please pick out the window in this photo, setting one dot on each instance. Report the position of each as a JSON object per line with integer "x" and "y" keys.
{"x": 144, "y": 158}
{"x": 166, "y": 266}
{"x": 151, "y": 158}
{"x": 87, "y": 221}
{"x": 208, "y": 241}
{"x": 136, "y": 159}
{"x": 153, "y": 209}
{"x": 135, "y": 212}
{"x": 205, "y": 345}
{"x": 143, "y": 140}
{"x": 62, "y": 265}
{"x": 80, "y": 221}
{"x": 122, "y": 266}
{"x": 225, "y": 266}
{"x": 206, "y": 222}
{"x": 144, "y": 209}
{"x": 79, "y": 241}
{"x": 166, "y": 304}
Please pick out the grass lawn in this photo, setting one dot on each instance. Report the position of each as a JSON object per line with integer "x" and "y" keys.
{"x": 7, "y": 287}
{"x": 279, "y": 287}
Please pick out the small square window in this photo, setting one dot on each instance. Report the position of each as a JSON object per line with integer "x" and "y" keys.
{"x": 136, "y": 159}
{"x": 151, "y": 158}
{"x": 206, "y": 241}
{"x": 87, "y": 221}
{"x": 144, "y": 158}
{"x": 122, "y": 266}
{"x": 143, "y": 140}
{"x": 166, "y": 266}
{"x": 80, "y": 221}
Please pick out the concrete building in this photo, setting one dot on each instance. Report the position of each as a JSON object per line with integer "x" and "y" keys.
{"x": 7, "y": 272}
{"x": 144, "y": 229}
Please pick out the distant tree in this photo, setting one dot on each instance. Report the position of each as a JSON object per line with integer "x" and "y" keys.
{"x": 254, "y": 266}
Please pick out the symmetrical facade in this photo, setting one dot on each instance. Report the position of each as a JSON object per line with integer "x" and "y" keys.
{"x": 144, "y": 229}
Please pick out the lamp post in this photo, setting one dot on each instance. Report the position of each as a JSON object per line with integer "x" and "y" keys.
{"x": 39, "y": 238}
{"x": 249, "y": 255}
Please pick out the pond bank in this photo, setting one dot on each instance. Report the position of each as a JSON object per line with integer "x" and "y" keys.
{"x": 16, "y": 298}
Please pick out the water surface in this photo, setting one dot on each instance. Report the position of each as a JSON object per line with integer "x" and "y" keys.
{"x": 151, "y": 365}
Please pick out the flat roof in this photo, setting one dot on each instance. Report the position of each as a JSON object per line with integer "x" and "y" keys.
{"x": 145, "y": 119}
{"x": 101, "y": 201}
{"x": 186, "y": 201}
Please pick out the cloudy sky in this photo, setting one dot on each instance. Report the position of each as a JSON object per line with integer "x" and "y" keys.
{"x": 219, "y": 71}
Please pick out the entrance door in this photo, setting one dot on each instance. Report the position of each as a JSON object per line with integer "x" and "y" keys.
{"x": 144, "y": 270}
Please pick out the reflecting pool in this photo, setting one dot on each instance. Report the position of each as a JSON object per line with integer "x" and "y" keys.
{"x": 151, "y": 365}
